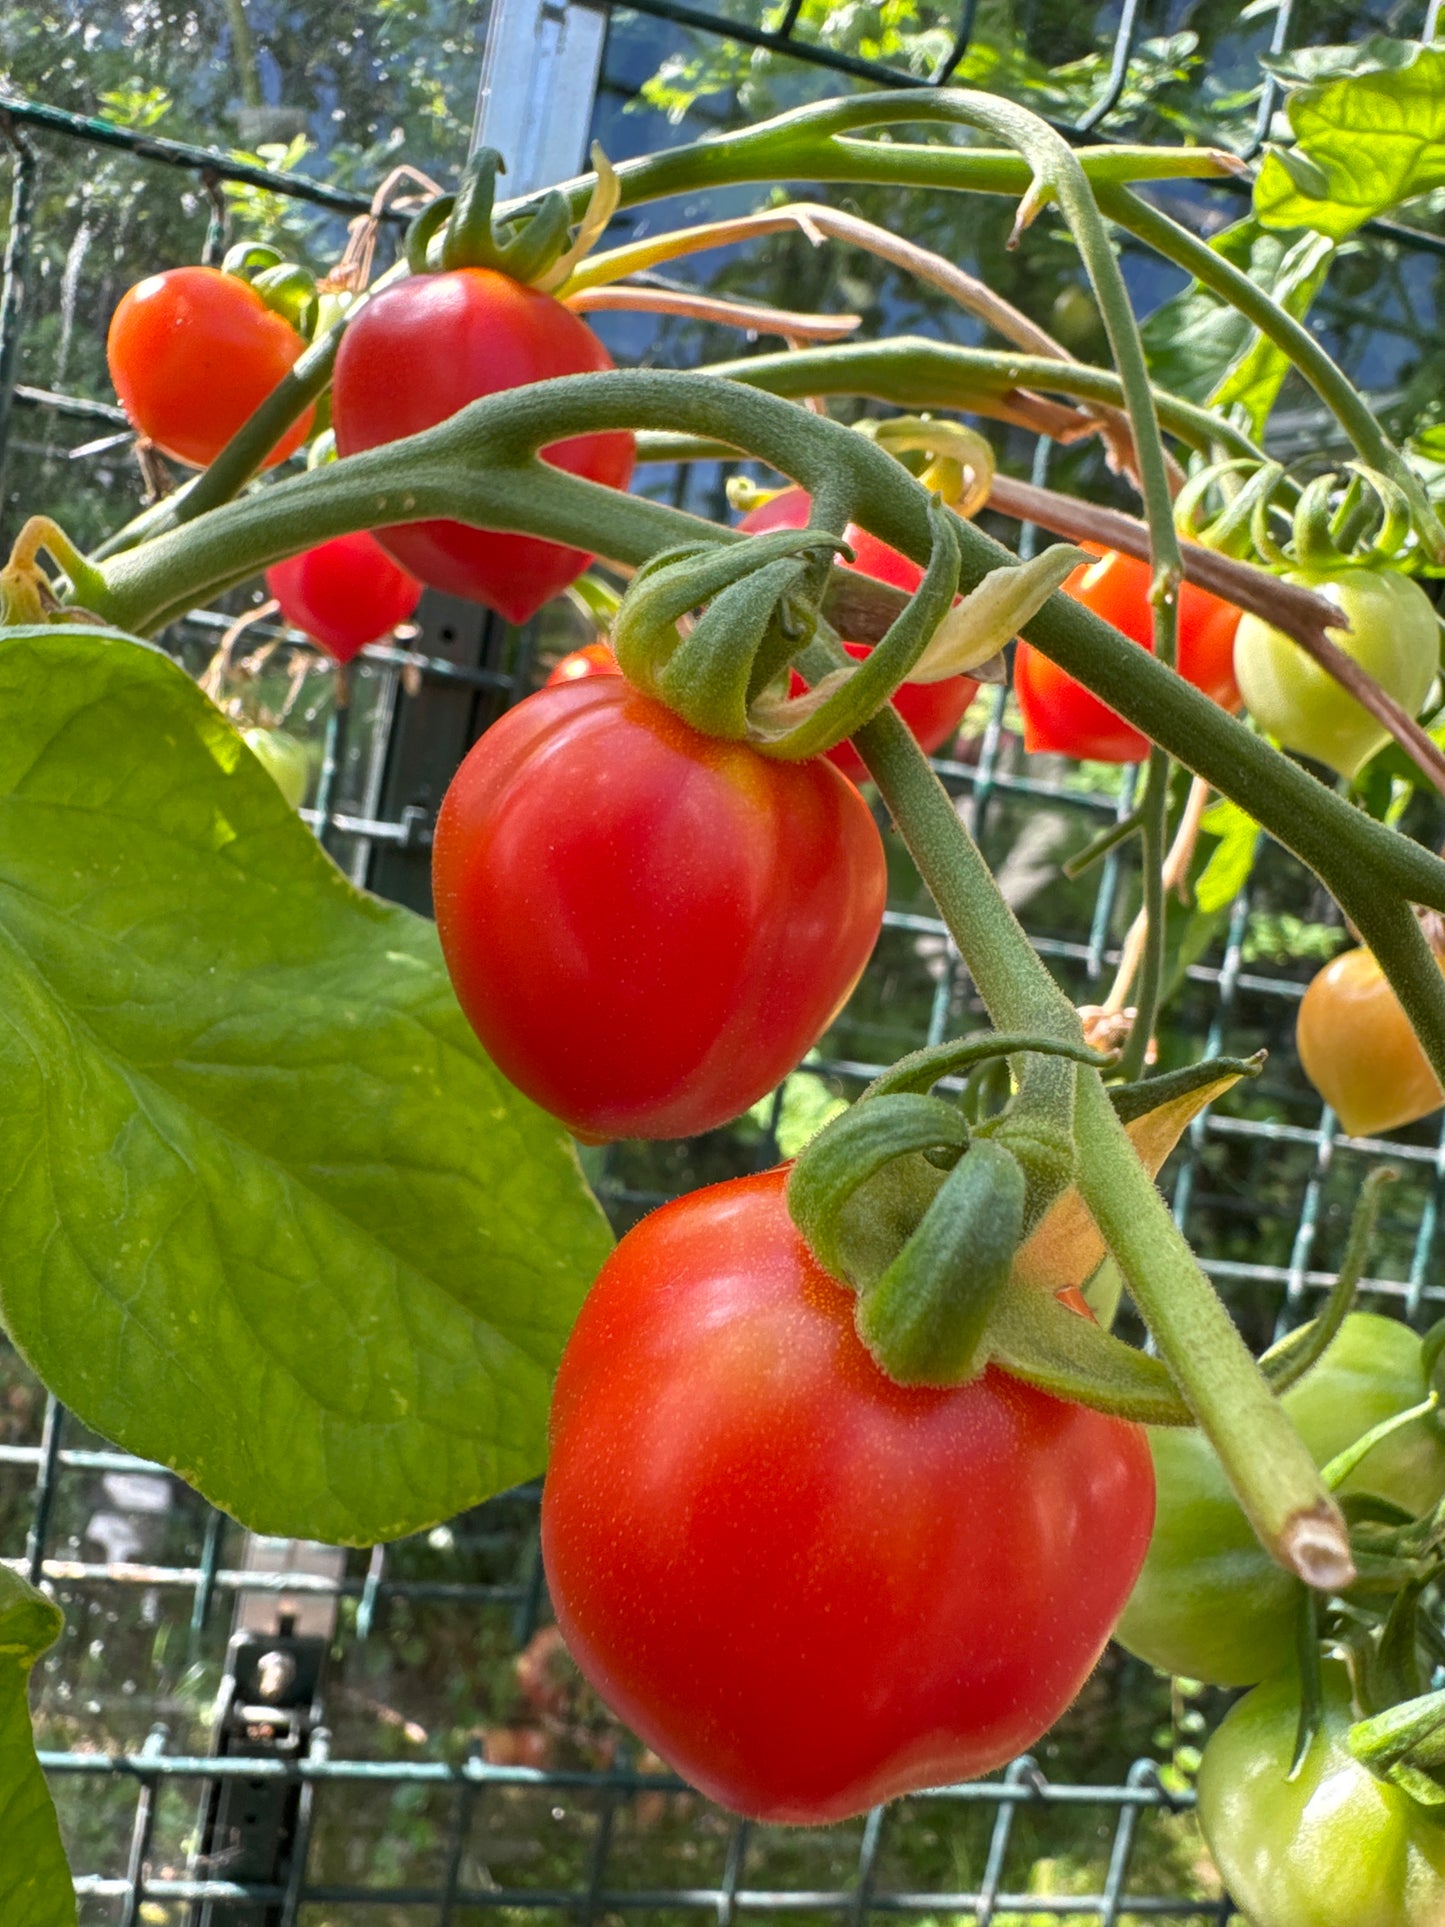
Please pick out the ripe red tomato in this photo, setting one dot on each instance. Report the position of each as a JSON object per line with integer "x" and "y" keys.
{"x": 193, "y": 353}
{"x": 1060, "y": 714}
{"x": 647, "y": 927}
{"x": 344, "y": 594}
{"x": 424, "y": 349}
{"x": 808, "y": 1588}
{"x": 932, "y": 710}
{"x": 595, "y": 659}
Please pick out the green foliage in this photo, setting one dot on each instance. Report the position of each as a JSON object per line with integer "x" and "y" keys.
{"x": 35, "y": 1886}
{"x": 1202, "y": 348}
{"x": 1228, "y": 868}
{"x": 271, "y": 1216}
{"x": 1367, "y": 137}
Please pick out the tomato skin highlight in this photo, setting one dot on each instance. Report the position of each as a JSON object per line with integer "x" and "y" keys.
{"x": 648, "y": 927}
{"x": 1358, "y": 1049}
{"x": 593, "y": 659}
{"x": 344, "y": 593}
{"x": 424, "y": 349}
{"x": 193, "y": 353}
{"x": 1210, "y": 1603}
{"x": 806, "y": 1587}
{"x": 1394, "y": 635}
{"x": 932, "y": 710}
{"x": 1060, "y": 715}
{"x": 1334, "y": 1847}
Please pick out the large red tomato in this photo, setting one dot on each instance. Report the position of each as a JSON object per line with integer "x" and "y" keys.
{"x": 648, "y": 927}
{"x": 932, "y": 710}
{"x": 344, "y": 593}
{"x": 193, "y": 353}
{"x": 807, "y": 1587}
{"x": 1060, "y": 714}
{"x": 424, "y": 349}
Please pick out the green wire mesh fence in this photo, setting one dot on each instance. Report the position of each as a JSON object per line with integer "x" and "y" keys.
{"x": 397, "y": 1738}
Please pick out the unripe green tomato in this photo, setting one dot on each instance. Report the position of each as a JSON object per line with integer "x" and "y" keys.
{"x": 1210, "y": 1603}
{"x": 1393, "y": 635}
{"x": 286, "y": 760}
{"x": 1332, "y": 1847}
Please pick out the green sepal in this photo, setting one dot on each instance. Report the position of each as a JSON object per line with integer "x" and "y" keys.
{"x": 1038, "y": 1339}
{"x": 248, "y": 258}
{"x": 860, "y": 1189}
{"x": 1405, "y": 1745}
{"x": 1311, "y": 1679}
{"x": 922, "y": 1069}
{"x": 523, "y": 249}
{"x": 926, "y": 1319}
{"x": 289, "y": 291}
{"x": 1286, "y": 1362}
{"x": 746, "y": 591}
{"x": 795, "y": 727}
{"x": 421, "y": 244}
{"x": 1132, "y": 1101}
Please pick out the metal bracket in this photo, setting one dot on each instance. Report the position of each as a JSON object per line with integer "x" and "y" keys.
{"x": 539, "y": 81}
{"x": 252, "y": 1831}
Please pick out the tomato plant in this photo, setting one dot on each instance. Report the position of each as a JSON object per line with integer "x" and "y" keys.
{"x": 344, "y": 593}
{"x": 1210, "y": 1604}
{"x": 648, "y": 927}
{"x": 807, "y": 1587}
{"x": 1359, "y": 1050}
{"x": 192, "y": 353}
{"x": 1331, "y": 1847}
{"x": 425, "y": 348}
{"x": 593, "y": 659}
{"x": 1059, "y": 714}
{"x": 285, "y": 758}
{"x": 932, "y": 710}
{"x": 1394, "y": 636}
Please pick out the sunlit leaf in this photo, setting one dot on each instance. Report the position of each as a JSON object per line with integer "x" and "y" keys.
{"x": 270, "y": 1216}
{"x": 1369, "y": 140}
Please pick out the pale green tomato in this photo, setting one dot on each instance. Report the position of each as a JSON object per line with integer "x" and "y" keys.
{"x": 286, "y": 759}
{"x": 1334, "y": 1847}
{"x": 1210, "y": 1603}
{"x": 1394, "y": 636}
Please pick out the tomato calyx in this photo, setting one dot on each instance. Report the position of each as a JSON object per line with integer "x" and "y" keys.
{"x": 285, "y": 287}
{"x": 922, "y": 1215}
{"x": 758, "y": 601}
{"x": 460, "y": 230}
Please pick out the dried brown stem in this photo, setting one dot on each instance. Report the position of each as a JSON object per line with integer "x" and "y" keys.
{"x": 820, "y": 223}
{"x": 704, "y": 307}
{"x": 1174, "y": 870}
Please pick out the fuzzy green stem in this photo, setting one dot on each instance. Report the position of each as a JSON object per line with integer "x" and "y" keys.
{"x": 1153, "y": 825}
{"x": 911, "y": 372}
{"x": 476, "y": 467}
{"x": 1272, "y": 1473}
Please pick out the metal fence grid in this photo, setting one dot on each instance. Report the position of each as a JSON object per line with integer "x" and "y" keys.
{"x": 407, "y": 1812}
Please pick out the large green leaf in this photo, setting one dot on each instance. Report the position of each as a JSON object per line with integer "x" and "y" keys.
{"x": 1364, "y": 142}
{"x": 269, "y": 1214}
{"x": 35, "y": 1885}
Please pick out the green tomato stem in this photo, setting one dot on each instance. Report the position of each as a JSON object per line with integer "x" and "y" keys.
{"x": 1273, "y": 1476}
{"x": 477, "y": 467}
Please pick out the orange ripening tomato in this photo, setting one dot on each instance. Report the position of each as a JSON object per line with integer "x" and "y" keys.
{"x": 1359, "y": 1050}
{"x": 1059, "y": 714}
{"x": 193, "y": 353}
